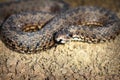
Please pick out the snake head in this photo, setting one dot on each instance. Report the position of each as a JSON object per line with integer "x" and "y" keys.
{"x": 72, "y": 33}
{"x": 63, "y": 36}
{"x": 67, "y": 35}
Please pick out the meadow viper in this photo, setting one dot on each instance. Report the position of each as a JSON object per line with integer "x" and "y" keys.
{"x": 27, "y": 32}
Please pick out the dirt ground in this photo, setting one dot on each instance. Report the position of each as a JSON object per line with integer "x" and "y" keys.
{"x": 72, "y": 61}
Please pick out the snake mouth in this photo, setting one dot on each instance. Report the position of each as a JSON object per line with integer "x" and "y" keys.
{"x": 32, "y": 27}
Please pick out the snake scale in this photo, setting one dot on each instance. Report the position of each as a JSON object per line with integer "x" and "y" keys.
{"x": 29, "y": 32}
{"x": 52, "y": 6}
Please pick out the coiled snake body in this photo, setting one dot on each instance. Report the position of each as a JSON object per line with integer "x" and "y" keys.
{"x": 30, "y": 9}
{"x": 52, "y": 6}
{"x": 30, "y": 32}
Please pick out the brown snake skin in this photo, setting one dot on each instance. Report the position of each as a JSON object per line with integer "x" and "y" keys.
{"x": 25, "y": 32}
{"x": 21, "y": 32}
{"x": 88, "y": 24}
{"x": 31, "y": 8}
{"x": 52, "y": 6}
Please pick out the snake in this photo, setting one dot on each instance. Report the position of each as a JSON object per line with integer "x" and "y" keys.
{"x": 31, "y": 32}
{"x": 13, "y": 7}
